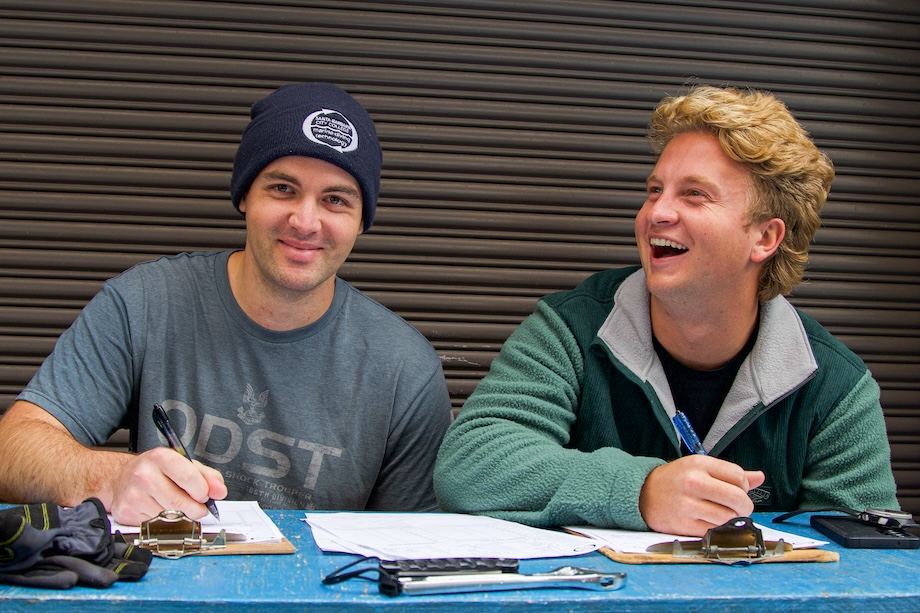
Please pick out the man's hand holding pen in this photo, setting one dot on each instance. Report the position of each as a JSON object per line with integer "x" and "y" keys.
{"x": 695, "y": 493}
{"x": 160, "y": 479}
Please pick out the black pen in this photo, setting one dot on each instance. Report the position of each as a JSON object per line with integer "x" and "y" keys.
{"x": 162, "y": 422}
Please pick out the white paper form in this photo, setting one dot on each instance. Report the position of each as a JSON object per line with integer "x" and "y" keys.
{"x": 631, "y": 541}
{"x": 243, "y": 520}
{"x": 395, "y": 536}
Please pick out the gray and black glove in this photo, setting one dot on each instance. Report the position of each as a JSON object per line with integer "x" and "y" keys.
{"x": 49, "y": 546}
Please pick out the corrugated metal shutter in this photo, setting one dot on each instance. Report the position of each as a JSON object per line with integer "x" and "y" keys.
{"x": 514, "y": 152}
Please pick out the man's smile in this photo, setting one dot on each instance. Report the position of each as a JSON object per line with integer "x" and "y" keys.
{"x": 664, "y": 248}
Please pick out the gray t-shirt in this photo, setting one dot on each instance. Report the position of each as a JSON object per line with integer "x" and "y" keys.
{"x": 346, "y": 413}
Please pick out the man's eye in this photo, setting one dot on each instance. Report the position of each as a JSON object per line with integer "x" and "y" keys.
{"x": 338, "y": 201}
{"x": 284, "y": 189}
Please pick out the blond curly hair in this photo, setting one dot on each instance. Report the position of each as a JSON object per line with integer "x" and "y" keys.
{"x": 792, "y": 178}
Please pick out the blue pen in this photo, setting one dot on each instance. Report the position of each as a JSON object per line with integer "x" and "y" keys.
{"x": 163, "y": 425}
{"x": 687, "y": 434}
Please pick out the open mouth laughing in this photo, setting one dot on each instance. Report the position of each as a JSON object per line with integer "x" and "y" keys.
{"x": 664, "y": 248}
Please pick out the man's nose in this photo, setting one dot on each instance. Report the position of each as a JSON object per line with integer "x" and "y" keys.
{"x": 305, "y": 216}
{"x": 661, "y": 210}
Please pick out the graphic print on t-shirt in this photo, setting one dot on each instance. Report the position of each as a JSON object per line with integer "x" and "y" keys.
{"x": 277, "y": 469}
{"x": 252, "y": 413}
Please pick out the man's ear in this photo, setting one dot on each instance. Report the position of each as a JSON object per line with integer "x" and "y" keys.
{"x": 771, "y": 235}
{"x": 242, "y": 206}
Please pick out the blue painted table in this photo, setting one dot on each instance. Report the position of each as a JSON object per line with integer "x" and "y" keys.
{"x": 863, "y": 581}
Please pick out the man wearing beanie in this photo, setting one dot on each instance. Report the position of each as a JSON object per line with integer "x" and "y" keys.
{"x": 286, "y": 384}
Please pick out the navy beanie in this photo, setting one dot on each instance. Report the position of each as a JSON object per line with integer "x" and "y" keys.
{"x": 315, "y": 120}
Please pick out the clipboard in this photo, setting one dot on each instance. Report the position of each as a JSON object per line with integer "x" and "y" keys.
{"x": 172, "y": 535}
{"x": 737, "y": 542}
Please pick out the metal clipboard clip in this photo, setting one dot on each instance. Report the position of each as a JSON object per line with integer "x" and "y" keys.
{"x": 738, "y": 541}
{"x": 171, "y": 534}
{"x": 562, "y": 577}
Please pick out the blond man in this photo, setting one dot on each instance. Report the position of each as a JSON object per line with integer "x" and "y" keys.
{"x": 574, "y": 422}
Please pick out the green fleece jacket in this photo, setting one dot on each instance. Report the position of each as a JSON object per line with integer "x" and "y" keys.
{"x": 576, "y": 411}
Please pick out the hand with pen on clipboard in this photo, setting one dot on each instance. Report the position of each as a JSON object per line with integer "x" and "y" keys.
{"x": 697, "y": 492}
{"x": 164, "y": 478}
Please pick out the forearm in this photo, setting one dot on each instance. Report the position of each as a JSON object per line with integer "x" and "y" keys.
{"x": 517, "y": 476}
{"x": 41, "y": 462}
{"x": 507, "y": 455}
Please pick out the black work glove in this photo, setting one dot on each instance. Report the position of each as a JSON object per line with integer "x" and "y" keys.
{"x": 46, "y": 545}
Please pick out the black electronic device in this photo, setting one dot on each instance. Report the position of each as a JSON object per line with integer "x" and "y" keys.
{"x": 443, "y": 566}
{"x": 857, "y": 533}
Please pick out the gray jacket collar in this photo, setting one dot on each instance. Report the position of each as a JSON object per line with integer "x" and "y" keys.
{"x": 780, "y": 362}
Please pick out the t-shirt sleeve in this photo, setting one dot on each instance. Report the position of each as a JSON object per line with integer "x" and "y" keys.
{"x": 86, "y": 382}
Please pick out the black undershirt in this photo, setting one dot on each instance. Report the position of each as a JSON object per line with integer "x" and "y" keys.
{"x": 700, "y": 393}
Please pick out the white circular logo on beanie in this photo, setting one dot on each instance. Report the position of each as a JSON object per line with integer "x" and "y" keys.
{"x": 331, "y": 128}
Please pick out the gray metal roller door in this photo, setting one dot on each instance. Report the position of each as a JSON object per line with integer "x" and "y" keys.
{"x": 514, "y": 153}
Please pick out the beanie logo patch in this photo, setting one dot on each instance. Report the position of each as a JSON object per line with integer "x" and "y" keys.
{"x": 332, "y": 129}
